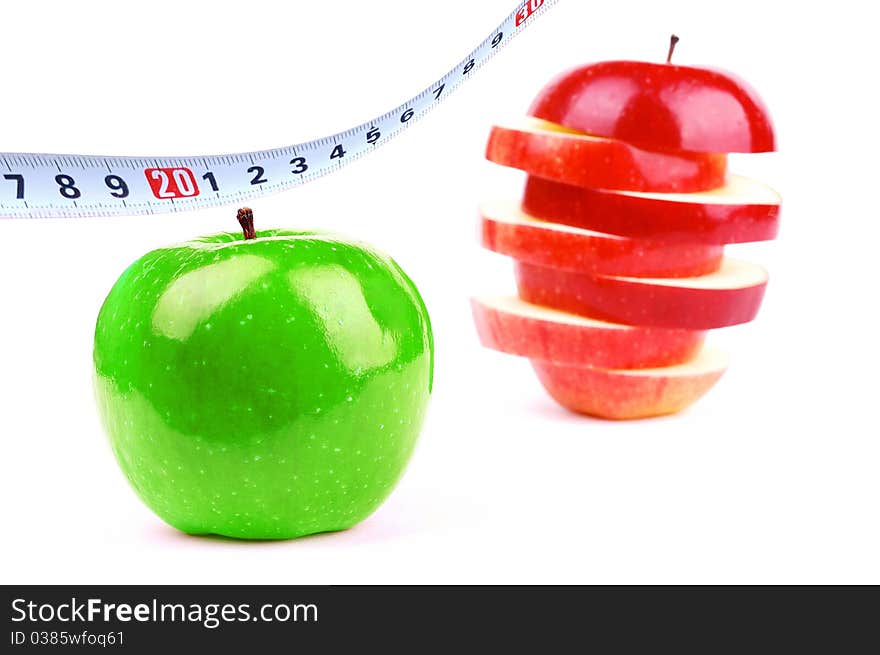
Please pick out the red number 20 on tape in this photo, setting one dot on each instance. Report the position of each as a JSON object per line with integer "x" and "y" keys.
{"x": 167, "y": 183}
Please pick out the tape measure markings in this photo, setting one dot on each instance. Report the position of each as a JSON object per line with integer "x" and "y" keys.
{"x": 38, "y": 186}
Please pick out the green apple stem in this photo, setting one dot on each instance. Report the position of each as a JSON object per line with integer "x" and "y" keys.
{"x": 672, "y": 41}
{"x": 246, "y": 220}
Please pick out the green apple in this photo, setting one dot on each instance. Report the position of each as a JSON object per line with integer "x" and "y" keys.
{"x": 266, "y": 385}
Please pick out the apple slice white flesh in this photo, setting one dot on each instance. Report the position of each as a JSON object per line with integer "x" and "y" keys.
{"x": 742, "y": 210}
{"x": 631, "y": 394}
{"x": 513, "y": 326}
{"x": 556, "y": 153}
{"x": 730, "y": 296}
{"x": 738, "y": 190}
{"x": 506, "y": 229}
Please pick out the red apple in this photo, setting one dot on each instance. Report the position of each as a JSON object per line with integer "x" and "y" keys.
{"x": 630, "y": 394}
{"x": 555, "y": 153}
{"x": 729, "y": 296}
{"x": 507, "y": 230}
{"x": 518, "y": 328}
{"x": 659, "y": 107}
{"x": 742, "y": 210}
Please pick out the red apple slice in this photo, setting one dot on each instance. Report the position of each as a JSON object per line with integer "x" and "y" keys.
{"x": 630, "y": 394}
{"x": 729, "y": 296}
{"x": 519, "y": 328}
{"x": 509, "y": 231}
{"x": 556, "y": 153}
{"x": 740, "y": 211}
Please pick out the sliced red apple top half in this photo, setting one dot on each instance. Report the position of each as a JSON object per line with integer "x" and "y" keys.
{"x": 730, "y": 296}
{"x": 630, "y": 394}
{"x": 742, "y": 210}
{"x": 659, "y": 107}
{"x": 507, "y": 230}
{"x": 563, "y": 155}
{"x": 513, "y": 326}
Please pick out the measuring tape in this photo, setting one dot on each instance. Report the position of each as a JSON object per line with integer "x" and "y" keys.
{"x": 43, "y": 186}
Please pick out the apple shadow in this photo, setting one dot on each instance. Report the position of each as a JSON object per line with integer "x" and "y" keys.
{"x": 162, "y": 533}
{"x": 392, "y": 521}
{"x": 546, "y": 408}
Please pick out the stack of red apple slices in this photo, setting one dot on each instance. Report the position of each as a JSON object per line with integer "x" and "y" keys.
{"x": 619, "y": 249}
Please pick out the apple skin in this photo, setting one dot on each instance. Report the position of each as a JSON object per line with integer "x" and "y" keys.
{"x": 266, "y": 388}
{"x": 510, "y": 232}
{"x": 625, "y": 395}
{"x": 602, "y": 163}
{"x": 513, "y": 327}
{"x": 644, "y": 302}
{"x": 650, "y": 218}
{"x": 662, "y": 107}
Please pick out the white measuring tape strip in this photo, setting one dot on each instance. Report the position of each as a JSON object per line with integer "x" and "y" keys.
{"x": 45, "y": 185}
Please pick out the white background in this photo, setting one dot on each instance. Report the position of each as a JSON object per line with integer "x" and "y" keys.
{"x": 772, "y": 478}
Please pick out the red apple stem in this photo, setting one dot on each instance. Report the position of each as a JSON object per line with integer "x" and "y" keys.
{"x": 672, "y": 41}
{"x": 246, "y": 220}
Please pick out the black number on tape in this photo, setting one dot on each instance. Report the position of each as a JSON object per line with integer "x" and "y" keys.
{"x": 406, "y": 115}
{"x": 19, "y": 184}
{"x": 118, "y": 187}
{"x": 299, "y": 165}
{"x": 67, "y": 187}
{"x": 438, "y": 91}
{"x": 210, "y": 179}
{"x": 373, "y": 135}
{"x": 497, "y": 39}
{"x": 338, "y": 152}
{"x": 468, "y": 67}
{"x": 258, "y": 175}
